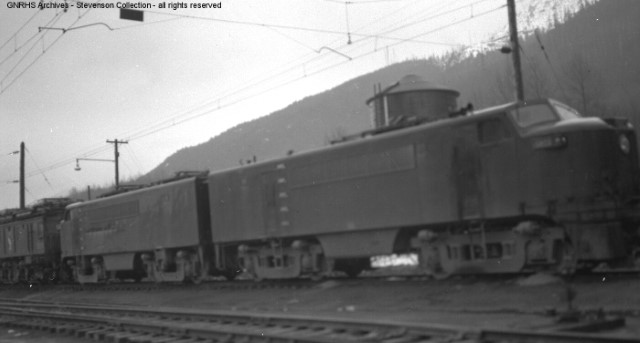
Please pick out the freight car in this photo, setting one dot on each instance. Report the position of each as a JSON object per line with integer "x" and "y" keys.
{"x": 516, "y": 187}
{"x": 29, "y": 241}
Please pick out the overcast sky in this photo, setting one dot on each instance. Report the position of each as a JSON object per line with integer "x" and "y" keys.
{"x": 183, "y": 76}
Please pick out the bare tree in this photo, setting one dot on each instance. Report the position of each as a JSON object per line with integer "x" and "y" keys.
{"x": 504, "y": 85}
{"x": 584, "y": 82}
{"x": 536, "y": 83}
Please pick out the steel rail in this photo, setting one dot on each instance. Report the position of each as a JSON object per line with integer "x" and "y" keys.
{"x": 223, "y": 325}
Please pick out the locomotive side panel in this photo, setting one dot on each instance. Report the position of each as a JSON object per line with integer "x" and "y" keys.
{"x": 236, "y": 205}
{"x": 500, "y": 181}
{"x": 8, "y": 244}
{"x": 335, "y": 190}
{"x": 26, "y": 237}
{"x": 51, "y": 234}
{"x": 156, "y": 217}
{"x": 342, "y": 191}
{"x": 437, "y": 186}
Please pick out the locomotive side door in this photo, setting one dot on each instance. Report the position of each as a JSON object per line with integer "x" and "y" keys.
{"x": 500, "y": 166}
{"x": 467, "y": 172}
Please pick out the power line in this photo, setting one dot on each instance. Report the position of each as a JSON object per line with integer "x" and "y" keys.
{"x": 176, "y": 120}
{"x": 38, "y": 169}
{"x": 19, "y": 48}
{"x": 18, "y": 30}
{"x": 3, "y": 89}
{"x": 173, "y": 119}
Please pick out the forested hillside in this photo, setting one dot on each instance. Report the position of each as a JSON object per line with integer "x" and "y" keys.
{"x": 590, "y": 61}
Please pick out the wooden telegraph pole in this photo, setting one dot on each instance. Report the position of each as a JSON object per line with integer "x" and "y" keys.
{"x": 515, "y": 49}
{"x": 115, "y": 142}
{"x": 22, "y": 175}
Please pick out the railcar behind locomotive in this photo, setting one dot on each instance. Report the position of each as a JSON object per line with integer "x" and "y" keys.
{"x": 159, "y": 233}
{"x": 29, "y": 241}
{"x": 520, "y": 186}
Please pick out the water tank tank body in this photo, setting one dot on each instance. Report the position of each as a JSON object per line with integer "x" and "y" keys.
{"x": 412, "y": 98}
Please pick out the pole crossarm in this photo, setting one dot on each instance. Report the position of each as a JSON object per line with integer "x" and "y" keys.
{"x": 115, "y": 160}
{"x": 115, "y": 143}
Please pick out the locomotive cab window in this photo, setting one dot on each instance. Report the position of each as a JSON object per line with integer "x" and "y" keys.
{"x": 530, "y": 116}
{"x": 545, "y": 113}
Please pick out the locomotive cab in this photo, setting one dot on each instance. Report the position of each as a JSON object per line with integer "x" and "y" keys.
{"x": 535, "y": 185}
{"x": 579, "y": 171}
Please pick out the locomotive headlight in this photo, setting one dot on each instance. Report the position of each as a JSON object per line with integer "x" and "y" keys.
{"x": 624, "y": 143}
{"x": 549, "y": 142}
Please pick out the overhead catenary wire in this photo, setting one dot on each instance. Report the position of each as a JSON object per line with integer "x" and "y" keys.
{"x": 13, "y": 36}
{"x": 170, "y": 122}
{"x": 8, "y": 85}
{"x": 71, "y": 27}
{"x": 252, "y": 85}
{"x": 38, "y": 168}
{"x": 180, "y": 121}
{"x": 553, "y": 70}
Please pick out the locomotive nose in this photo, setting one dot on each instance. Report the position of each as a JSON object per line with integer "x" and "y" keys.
{"x": 590, "y": 158}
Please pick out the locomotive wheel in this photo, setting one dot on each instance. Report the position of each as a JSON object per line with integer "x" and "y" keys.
{"x": 353, "y": 271}
{"x": 257, "y": 278}
{"x": 230, "y": 274}
{"x": 317, "y": 277}
{"x": 352, "y": 267}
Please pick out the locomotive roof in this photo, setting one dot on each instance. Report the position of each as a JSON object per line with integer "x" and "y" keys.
{"x": 43, "y": 206}
{"x": 373, "y": 134}
{"x": 180, "y": 177}
{"x": 388, "y": 134}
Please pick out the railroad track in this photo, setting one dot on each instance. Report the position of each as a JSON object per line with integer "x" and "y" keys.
{"x": 134, "y": 324}
{"x": 216, "y": 284}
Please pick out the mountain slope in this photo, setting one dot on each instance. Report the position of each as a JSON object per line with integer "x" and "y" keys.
{"x": 595, "y": 49}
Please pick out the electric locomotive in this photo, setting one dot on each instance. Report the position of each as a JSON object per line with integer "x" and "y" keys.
{"x": 158, "y": 233}
{"x": 29, "y": 242}
{"x": 521, "y": 186}
{"x": 516, "y": 187}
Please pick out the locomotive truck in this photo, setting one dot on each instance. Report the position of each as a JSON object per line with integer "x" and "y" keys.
{"x": 521, "y": 186}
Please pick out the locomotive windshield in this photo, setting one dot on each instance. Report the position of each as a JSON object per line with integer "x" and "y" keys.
{"x": 543, "y": 113}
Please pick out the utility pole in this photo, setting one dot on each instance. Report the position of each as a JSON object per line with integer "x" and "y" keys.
{"x": 22, "y": 175}
{"x": 115, "y": 142}
{"x": 515, "y": 46}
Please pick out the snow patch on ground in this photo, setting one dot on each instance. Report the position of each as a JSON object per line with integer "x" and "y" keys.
{"x": 538, "y": 279}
